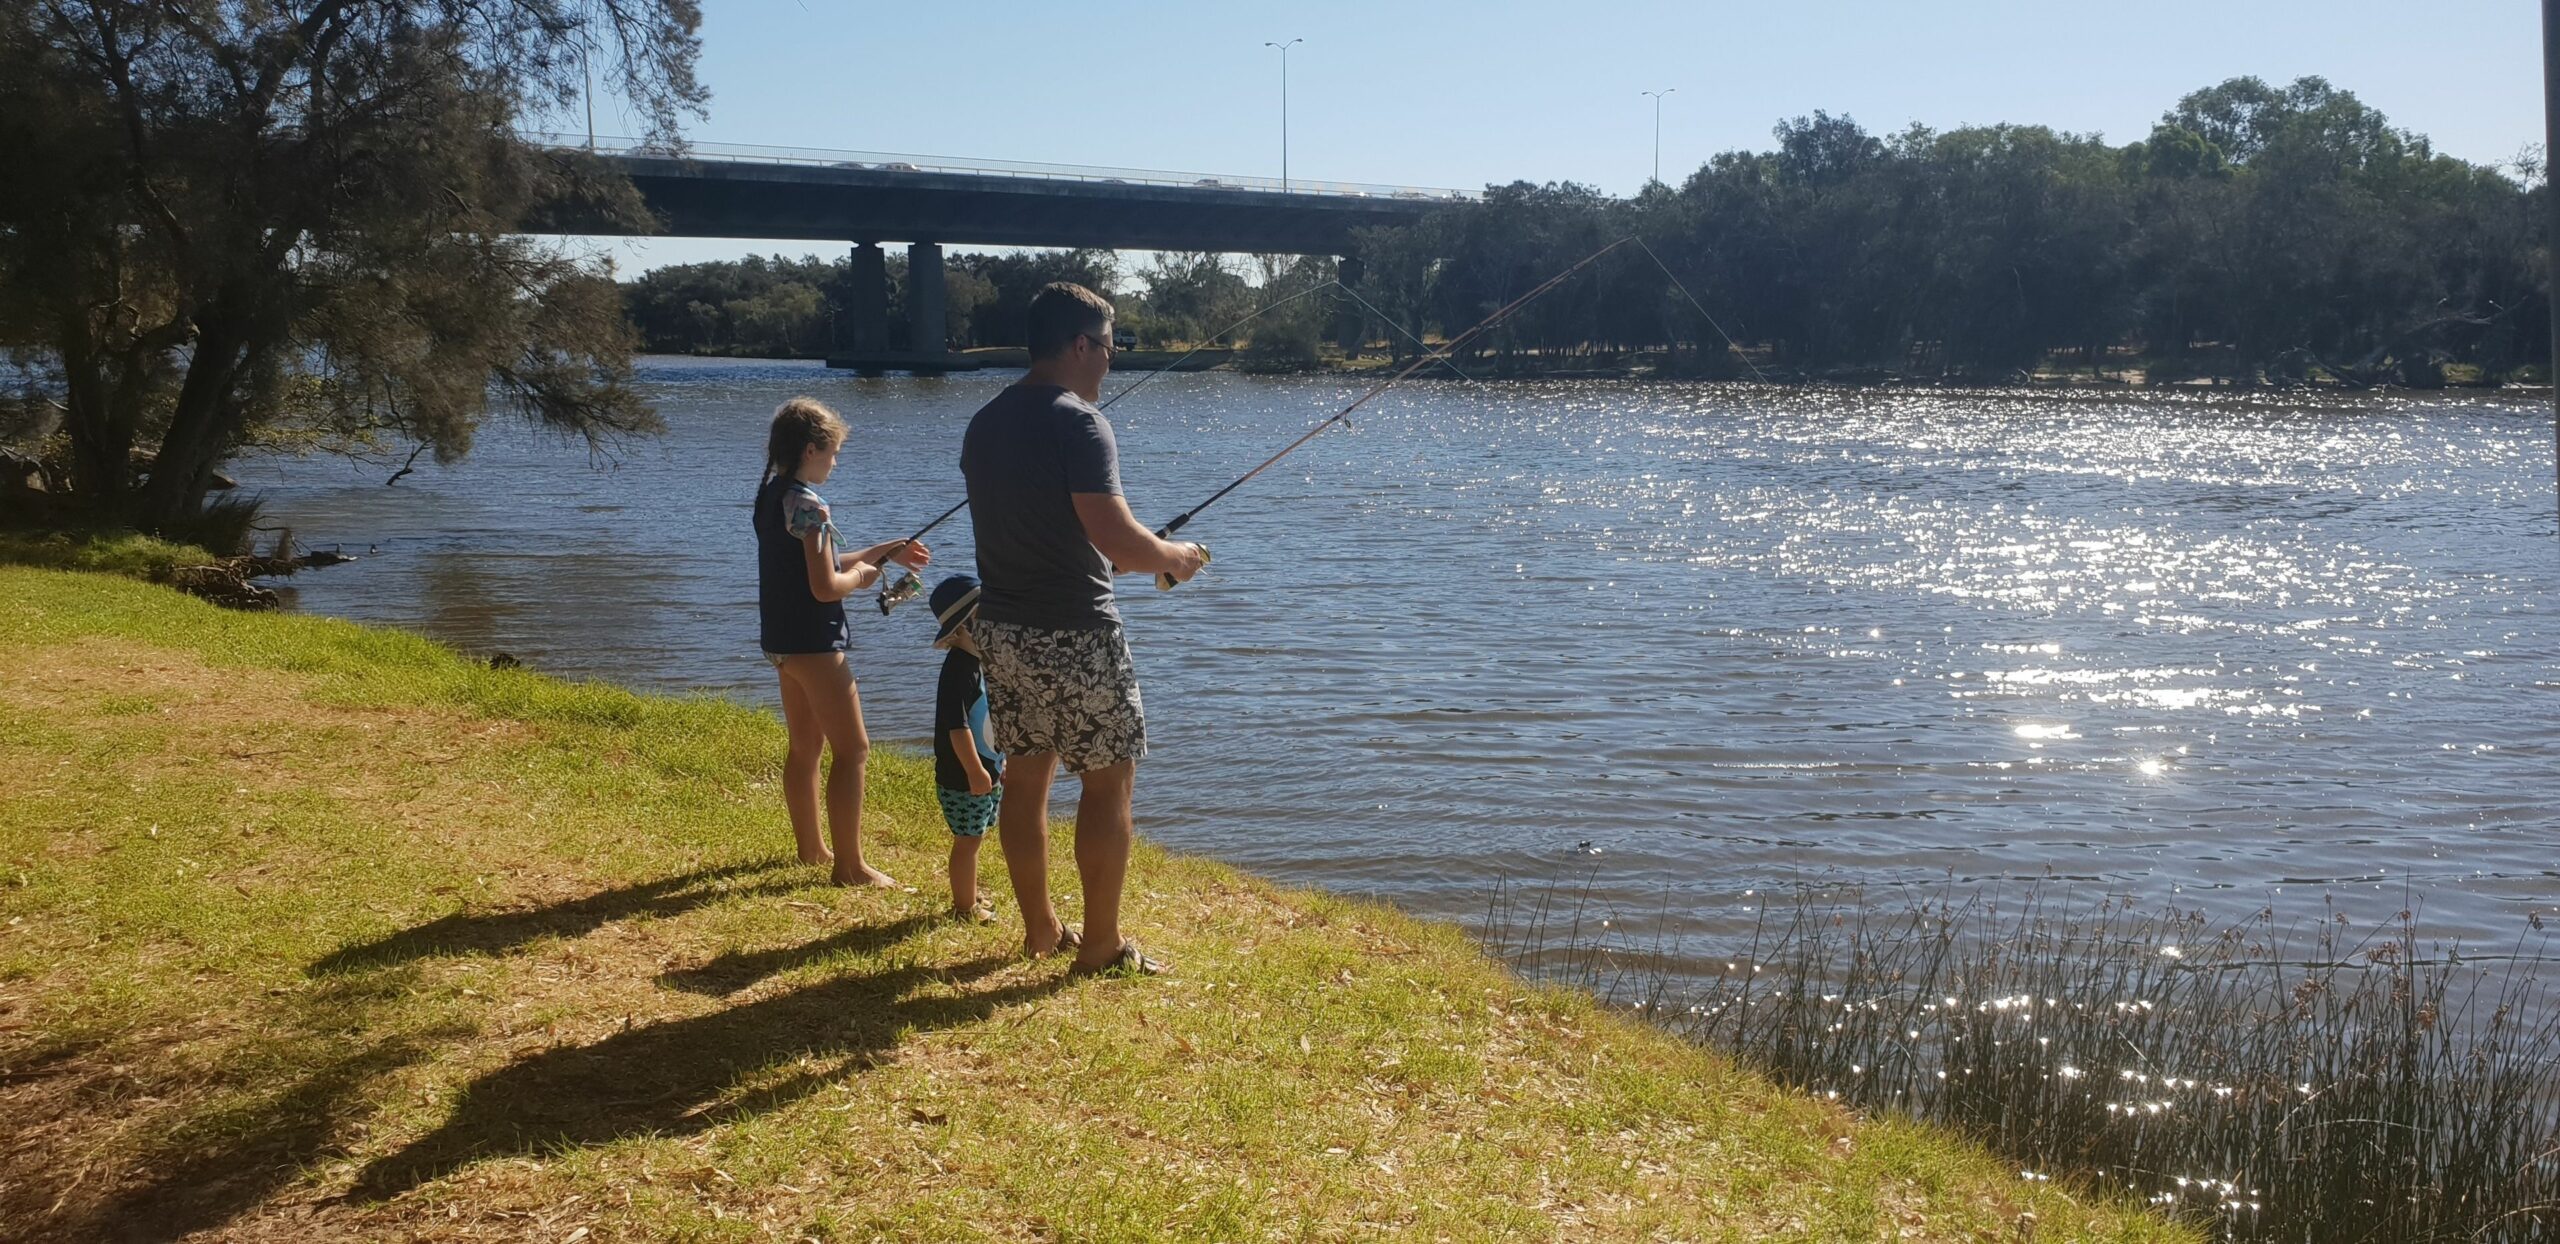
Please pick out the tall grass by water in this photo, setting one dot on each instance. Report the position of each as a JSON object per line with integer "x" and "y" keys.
{"x": 2277, "y": 1081}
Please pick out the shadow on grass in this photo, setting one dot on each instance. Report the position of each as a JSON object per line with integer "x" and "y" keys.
{"x": 496, "y": 932}
{"x": 739, "y": 969}
{"x": 225, "y": 1161}
{"x": 687, "y": 1076}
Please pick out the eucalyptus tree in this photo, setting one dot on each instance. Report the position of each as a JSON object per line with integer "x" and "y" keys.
{"x": 228, "y": 222}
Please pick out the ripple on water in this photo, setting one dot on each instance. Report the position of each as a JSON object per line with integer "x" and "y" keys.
{"x": 2235, "y": 650}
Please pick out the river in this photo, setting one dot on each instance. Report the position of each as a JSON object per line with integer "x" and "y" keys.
{"x": 1679, "y": 644}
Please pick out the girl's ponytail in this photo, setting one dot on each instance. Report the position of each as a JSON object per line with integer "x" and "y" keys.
{"x": 799, "y": 424}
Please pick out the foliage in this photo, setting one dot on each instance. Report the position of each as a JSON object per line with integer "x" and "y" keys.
{"x": 800, "y": 308}
{"x": 1189, "y": 296}
{"x": 221, "y": 219}
{"x": 1001, "y": 286}
{"x": 1290, "y": 337}
{"x": 2256, "y": 231}
{"x": 772, "y": 307}
{"x": 2270, "y": 1083}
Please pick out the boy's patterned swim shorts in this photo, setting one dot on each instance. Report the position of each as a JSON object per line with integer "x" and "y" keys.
{"x": 969, "y": 816}
{"x": 1074, "y": 693}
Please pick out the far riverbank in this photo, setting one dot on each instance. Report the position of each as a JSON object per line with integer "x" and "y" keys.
{"x": 2061, "y": 372}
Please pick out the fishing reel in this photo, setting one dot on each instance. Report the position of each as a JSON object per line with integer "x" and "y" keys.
{"x": 1166, "y": 582}
{"x": 901, "y": 591}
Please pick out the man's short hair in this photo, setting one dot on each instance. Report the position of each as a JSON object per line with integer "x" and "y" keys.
{"x": 1062, "y": 311}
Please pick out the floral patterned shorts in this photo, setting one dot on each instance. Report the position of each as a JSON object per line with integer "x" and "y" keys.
{"x": 1074, "y": 693}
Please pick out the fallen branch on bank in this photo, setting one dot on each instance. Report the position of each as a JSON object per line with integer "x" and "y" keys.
{"x": 229, "y": 582}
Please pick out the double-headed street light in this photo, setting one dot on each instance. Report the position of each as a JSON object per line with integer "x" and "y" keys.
{"x": 1657, "y": 127}
{"x": 1284, "y": 109}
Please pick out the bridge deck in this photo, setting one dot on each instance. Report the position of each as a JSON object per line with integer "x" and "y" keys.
{"x": 796, "y": 193}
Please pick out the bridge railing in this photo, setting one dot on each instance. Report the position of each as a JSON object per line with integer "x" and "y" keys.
{"x": 893, "y": 162}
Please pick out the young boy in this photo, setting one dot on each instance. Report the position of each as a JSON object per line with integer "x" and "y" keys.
{"x": 965, "y": 760}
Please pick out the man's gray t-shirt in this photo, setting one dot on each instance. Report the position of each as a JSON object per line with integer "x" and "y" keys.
{"x": 1025, "y": 454}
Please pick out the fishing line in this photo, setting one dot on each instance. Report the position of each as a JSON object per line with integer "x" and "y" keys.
{"x": 1407, "y": 334}
{"x": 1165, "y": 582}
{"x": 907, "y": 585}
{"x": 1729, "y": 342}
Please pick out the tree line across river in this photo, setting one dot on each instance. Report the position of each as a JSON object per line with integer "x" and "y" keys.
{"x": 2257, "y": 233}
{"x": 292, "y": 233}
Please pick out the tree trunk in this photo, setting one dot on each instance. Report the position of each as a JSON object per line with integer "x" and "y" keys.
{"x": 200, "y": 425}
{"x": 101, "y": 444}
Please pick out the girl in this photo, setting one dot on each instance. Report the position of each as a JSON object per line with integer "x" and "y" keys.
{"x": 802, "y": 578}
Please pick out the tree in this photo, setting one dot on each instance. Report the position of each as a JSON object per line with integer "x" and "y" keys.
{"x": 1189, "y": 295}
{"x": 1000, "y": 305}
{"x": 765, "y": 307}
{"x": 230, "y": 221}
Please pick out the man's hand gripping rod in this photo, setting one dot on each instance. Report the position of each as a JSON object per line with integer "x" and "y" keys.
{"x": 907, "y": 585}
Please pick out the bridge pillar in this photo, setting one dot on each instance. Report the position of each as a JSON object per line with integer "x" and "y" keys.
{"x": 925, "y": 322}
{"x": 870, "y": 309}
{"x": 1351, "y": 324}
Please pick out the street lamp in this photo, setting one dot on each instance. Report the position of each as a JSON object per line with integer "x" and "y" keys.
{"x": 1657, "y": 127}
{"x": 1284, "y": 109}
{"x": 2551, "y": 148}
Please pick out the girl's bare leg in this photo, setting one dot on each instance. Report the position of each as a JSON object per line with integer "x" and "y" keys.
{"x": 827, "y": 684}
{"x": 800, "y": 771}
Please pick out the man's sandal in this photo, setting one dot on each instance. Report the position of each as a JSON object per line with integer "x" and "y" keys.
{"x": 1069, "y": 941}
{"x": 1131, "y": 961}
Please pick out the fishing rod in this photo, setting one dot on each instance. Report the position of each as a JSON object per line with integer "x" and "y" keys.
{"x": 907, "y": 585}
{"x": 1165, "y": 582}
{"x": 1729, "y": 342}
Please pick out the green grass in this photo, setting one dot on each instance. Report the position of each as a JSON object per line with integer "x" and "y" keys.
{"x": 313, "y": 931}
{"x": 107, "y": 552}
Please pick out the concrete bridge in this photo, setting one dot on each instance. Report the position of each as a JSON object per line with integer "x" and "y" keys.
{"x": 867, "y": 198}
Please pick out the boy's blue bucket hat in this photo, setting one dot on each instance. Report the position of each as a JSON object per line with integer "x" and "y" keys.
{"x": 953, "y": 600}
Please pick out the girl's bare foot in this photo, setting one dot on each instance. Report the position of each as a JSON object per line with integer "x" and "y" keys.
{"x": 823, "y": 859}
{"x": 864, "y": 875}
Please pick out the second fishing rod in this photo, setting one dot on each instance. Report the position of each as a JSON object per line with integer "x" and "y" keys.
{"x": 1446, "y": 352}
{"x": 909, "y": 584}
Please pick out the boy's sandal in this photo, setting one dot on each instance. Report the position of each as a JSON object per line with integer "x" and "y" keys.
{"x": 1131, "y": 961}
{"x": 979, "y": 913}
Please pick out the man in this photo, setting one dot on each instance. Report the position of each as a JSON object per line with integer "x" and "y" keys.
{"x": 1044, "y": 496}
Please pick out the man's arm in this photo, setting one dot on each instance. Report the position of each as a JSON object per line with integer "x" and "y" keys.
{"x": 1131, "y": 548}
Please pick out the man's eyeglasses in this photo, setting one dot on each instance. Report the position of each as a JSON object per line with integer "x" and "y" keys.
{"x": 1101, "y": 343}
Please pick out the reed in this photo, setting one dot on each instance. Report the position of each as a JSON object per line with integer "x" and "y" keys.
{"x": 2278, "y": 1081}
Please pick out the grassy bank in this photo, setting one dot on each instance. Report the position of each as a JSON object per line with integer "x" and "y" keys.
{"x": 108, "y": 552}
{"x": 309, "y": 931}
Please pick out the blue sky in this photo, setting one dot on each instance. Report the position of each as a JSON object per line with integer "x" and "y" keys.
{"x": 1461, "y": 95}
